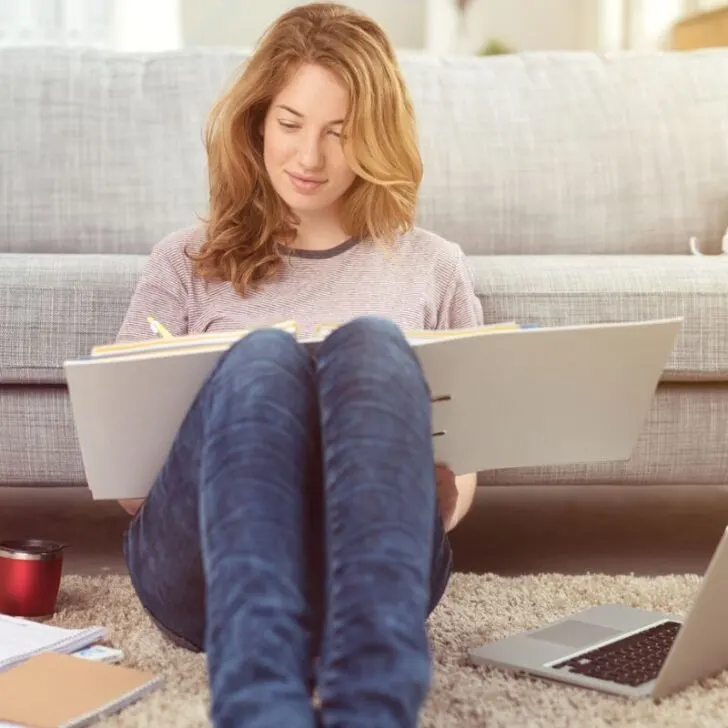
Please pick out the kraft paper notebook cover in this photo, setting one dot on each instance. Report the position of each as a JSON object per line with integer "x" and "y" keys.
{"x": 62, "y": 691}
{"x": 504, "y": 397}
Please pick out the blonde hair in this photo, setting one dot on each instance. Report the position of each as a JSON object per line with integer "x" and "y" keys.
{"x": 248, "y": 224}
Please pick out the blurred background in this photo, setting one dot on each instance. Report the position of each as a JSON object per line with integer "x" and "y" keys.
{"x": 418, "y": 26}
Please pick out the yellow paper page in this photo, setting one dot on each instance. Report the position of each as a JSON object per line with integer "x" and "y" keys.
{"x": 419, "y": 335}
{"x": 188, "y": 339}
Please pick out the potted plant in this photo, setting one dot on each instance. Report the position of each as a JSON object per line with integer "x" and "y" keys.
{"x": 495, "y": 47}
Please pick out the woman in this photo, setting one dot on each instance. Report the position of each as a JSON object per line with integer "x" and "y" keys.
{"x": 294, "y": 532}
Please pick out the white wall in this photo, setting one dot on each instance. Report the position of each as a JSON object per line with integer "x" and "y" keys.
{"x": 435, "y": 25}
{"x": 643, "y": 25}
{"x": 241, "y": 22}
{"x": 432, "y": 25}
{"x": 599, "y": 25}
{"x": 529, "y": 25}
{"x": 652, "y": 25}
{"x": 141, "y": 25}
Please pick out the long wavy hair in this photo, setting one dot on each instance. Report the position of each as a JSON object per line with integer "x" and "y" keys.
{"x": 248, "y": 224}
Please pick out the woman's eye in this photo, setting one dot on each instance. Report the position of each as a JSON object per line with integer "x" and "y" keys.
{"x": 337, "y": 134}
{"x": 287, "y": 125}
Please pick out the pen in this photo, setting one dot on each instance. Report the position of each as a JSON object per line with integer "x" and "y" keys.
{"x": 158, "y": 329}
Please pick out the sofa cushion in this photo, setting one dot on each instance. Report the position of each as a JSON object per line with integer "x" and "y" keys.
{"x": 56, "y": 307}
{"x": 554, "y": 290}
{"x": 552, "y": 152}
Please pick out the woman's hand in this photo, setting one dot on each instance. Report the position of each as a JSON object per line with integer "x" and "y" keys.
{"x": 447, "y": 494}
{"x": 131, "y": 506}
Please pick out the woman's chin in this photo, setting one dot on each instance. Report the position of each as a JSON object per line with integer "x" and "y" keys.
{"x": 306, "y": 205}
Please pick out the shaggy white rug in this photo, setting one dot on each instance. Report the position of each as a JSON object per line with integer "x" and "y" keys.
{"x": 476, "y": 608}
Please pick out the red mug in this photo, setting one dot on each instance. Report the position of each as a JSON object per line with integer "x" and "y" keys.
{"x": 30, "y": 577}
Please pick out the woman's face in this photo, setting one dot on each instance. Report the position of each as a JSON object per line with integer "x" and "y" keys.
{"x": 302, "y": 147}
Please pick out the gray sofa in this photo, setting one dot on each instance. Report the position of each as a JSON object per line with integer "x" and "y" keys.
{"x": 573, "y": 181}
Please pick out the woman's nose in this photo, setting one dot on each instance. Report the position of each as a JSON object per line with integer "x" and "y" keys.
{"x": 310, "y": 153}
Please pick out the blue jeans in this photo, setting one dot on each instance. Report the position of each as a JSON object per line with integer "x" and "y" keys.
{"x": 294, "y": 534}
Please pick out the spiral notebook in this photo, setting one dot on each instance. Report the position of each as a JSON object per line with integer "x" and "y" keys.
{"x": 23, "y": 638}
{"x": 502, "y": 396}
{"x": 75, "y": 692}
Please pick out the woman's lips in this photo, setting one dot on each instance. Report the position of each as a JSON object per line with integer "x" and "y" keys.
{"x": 306, "y": 185}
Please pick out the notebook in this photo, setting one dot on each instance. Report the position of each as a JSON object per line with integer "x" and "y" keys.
{"x": 75, "y": 692}
{"x": 502, "y": 396}
{"x": 23, "y": 638}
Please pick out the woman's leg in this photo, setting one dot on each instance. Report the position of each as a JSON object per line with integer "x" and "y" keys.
{"x": 385, "y": 569}
{"x": 217, "y": 553}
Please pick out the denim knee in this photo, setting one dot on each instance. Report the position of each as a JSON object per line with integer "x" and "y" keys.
{"x": 260, "y": 352}
{"x": 371, "y": 348}
{"x": 377, "y": 326}
{"x": 368, "y": 333}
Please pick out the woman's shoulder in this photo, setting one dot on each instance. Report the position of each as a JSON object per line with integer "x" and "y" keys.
{"x": 168, "y": 255}
{"x": 172, "y": 246}
{"x": 430, "y": 247}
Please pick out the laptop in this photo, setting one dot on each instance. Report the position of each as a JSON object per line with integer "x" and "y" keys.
{"x": 627, "y": 651}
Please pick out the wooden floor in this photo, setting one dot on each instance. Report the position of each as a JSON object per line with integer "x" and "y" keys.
{"x": 510, "y": 531}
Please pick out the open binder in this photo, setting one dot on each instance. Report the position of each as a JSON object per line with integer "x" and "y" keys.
{"x": 503, "y": 396}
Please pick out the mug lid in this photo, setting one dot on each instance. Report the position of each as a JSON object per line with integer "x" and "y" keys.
{"x": 30, "y": 548}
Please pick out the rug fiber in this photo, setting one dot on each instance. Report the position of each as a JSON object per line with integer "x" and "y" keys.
{"x": 476, "y": 608}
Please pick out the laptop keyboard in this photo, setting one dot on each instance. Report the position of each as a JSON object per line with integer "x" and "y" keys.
{"x": 632, "y": 661}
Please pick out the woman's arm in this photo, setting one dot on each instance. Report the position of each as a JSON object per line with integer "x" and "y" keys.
{"x": 466, "y": 485}
{"x": 161, "y": 292}
{"x": 454, "y": 494}
{"x": 131, "y": 506}
{"x": 459, "y": 308}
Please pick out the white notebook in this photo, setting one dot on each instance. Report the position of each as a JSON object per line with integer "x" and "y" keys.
{"x": 503, "y": 397}
{"x": 23, "y": 638}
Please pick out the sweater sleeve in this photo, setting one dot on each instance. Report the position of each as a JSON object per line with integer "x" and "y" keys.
{"x": 460, "y": 307}
{"x": 161, "y": 292}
